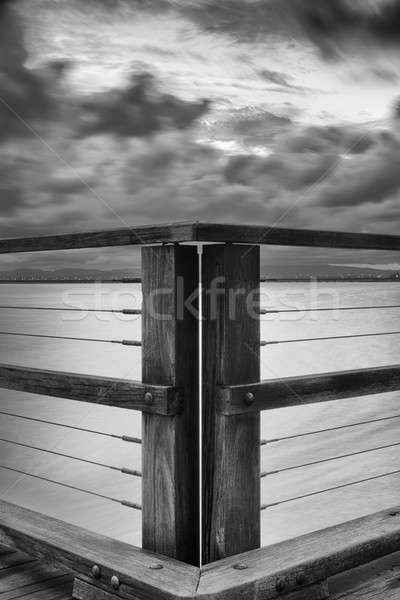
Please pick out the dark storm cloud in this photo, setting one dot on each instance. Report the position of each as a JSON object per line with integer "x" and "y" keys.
{"x": 23, "y": 92}
{"x": 335, "y": 22}
{"x": 138, "y": 110}
{"x": 29, "y": 97}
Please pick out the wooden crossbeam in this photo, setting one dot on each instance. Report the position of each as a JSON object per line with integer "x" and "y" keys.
{"x": 294, "y": 391}
{"x": 109, "y": 391}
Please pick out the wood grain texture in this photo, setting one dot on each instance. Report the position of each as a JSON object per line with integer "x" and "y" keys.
{"x": 56, "y": 588}
{"x": 293, "y": 391}
{"x": 141, "y": 235}
{"x": 76, "y": 550}
{"x": 320, "y": 591}
{"x": 170, "y": 482}
{"x": 231, "y": 445}
{"x": 123, "y": 393}
{"x": 377, "y": 586}
{"x": 303, "y": 561}
{"x": 263, "y": 234}
{"x": 202, "y": 232}
{"x": 83, "y": 590}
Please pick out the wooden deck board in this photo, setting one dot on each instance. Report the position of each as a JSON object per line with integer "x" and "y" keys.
{"x": 24, "y": 577}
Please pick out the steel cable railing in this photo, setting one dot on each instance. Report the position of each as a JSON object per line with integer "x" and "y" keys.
{"x": 73, "y": 281}
{"x": 124, "y": 438}
{"x": 331, "y": 489}
{"x": 124, "y": 470}
{"x": 126, "y": 503}
{"x": 326, "y": 338}
{"x": 265, "y": 311}
{"x": 75, "y": 339}
{"x": 317, "y": 431}
{"x": 325, "y": 460}
{"x": 122, "y": 311}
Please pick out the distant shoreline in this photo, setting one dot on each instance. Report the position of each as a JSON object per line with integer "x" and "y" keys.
{"x": 263, "y": 280}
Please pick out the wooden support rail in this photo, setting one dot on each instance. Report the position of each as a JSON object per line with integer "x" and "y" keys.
{"x": 123, "y": 393}
{"x": 202, "y": 232}
{"x": 141, "y": 235}
{"x": 142, "y": 575}
{"x": 300, "y": 563}
{"x": 277, "y": 236}
{"x": 294, "y": 391}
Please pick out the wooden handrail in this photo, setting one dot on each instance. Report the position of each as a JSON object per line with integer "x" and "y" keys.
{"x": 140, "y": 235}
{"x": 202, "y": 232}
{"x": 291, "y": 566}
{"x": 109, "y": 391}
{"x": 294, "y": 391}
{"x": 277, "y": 236}
{"x": 141, "y": 574}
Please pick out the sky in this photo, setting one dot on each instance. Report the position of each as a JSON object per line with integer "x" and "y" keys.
{"x": 118, "y": 113}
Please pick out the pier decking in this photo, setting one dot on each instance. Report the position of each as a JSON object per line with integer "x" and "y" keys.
{"x": 21, "y": 576}
{"x": 226, "y": 561}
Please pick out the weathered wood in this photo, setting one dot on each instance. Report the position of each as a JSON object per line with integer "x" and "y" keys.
{"x": 109, "y": 391}
{"x": 19, "y": 576}
{"x": 303, "y": 561}
{"x": 13, "y": 559}
{"x": 293, "y": 391}
{"x": 376, "y": 586}
{"x": 73, "y": 549}
{"x": 170, "y": 444}
{"x": 141, "y": 235}
{"x": 83, "y": 590}
{"x": 57, "y": 588}
{"x": 231, "y": 445}
{"x": 263, "y": 234}
{"x": 202, "y": 232}
{"x": 320, "y": 591}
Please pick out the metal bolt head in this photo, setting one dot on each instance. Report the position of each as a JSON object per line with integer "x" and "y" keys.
{"x": 114, "y": 582}
{"x": 96, "y": 571}
{"x": 249, "y": 398}
{"x": 240, "y": 567}
{"x": 156, "y": 566}
{"x": 148, "y": 398}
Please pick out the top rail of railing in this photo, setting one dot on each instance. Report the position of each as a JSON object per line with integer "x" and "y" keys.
{"x": 202, "y": 232}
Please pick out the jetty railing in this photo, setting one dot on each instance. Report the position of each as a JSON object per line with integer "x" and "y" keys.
{"x": 206, "y": 300}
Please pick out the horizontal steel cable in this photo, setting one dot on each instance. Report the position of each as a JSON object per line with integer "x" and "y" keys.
{"x": 265, "y": 311}
{"x": 73, "y": 487}
{"x": 332, "y": 489}
{"x": 123, "y": 470}
{"x": 307, "y": 433}
{"x": 334, "y": 337}
{"x": 124, "y": 438}
{"x": 324, "y": 460}
{"x": 74, "y": 281}
{"x": 123, "y": 311}
{"x": 75, "y": 339}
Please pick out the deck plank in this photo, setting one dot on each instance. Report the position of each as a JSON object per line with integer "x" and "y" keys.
{"x": 21, "y": 576}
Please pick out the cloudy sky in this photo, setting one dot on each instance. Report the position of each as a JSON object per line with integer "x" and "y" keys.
{"x": 121, "y": 112}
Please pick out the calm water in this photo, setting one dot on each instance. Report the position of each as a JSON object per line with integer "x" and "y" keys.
{"x": 279, "y": 522}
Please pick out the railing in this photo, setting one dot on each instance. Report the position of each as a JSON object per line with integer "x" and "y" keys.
{"x": 215, "y": 399}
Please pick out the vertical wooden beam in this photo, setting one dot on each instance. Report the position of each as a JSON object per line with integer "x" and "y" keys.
{"x": 170, "y": 444}
{"x": 231, "y": 444}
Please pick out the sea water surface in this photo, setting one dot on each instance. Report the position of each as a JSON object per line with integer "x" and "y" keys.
{"x": 279, "y": 522}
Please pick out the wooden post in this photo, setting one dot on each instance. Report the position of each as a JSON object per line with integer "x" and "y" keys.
{"x": 170, "y": 275}
{"x": 231, "y": 444}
